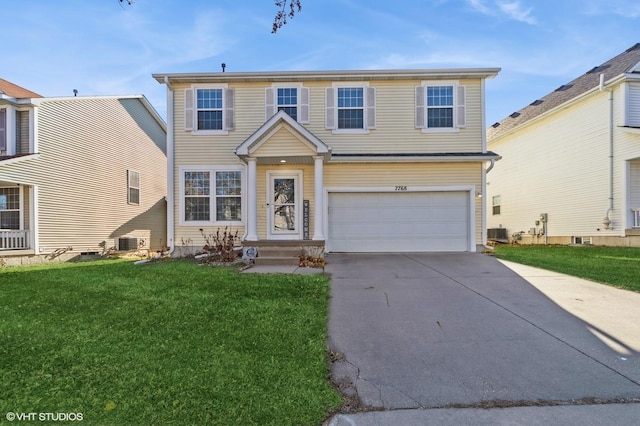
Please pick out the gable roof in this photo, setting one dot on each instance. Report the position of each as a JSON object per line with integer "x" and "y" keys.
{"x": 13, "y": 90}
{"x": 260, "y": 136}
{"x": 626, "y": 62}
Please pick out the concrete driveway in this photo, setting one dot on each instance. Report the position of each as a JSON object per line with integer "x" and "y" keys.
{"x": 463, "y": 330}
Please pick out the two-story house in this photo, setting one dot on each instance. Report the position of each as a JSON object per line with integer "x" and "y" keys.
{"x": 358, "y": 161}
{"x": 79, "y": 175}
{"x": 570, "y": 172}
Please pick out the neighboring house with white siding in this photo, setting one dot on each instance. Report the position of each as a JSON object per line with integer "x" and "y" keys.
{"x": 79, "y": 175}
{"x": 353, "y": 161}
{"x": 570, "y": 172}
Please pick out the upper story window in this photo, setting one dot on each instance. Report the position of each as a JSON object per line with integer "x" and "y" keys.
{"x": 351, "y": 108}
{"x": 209, "y": 110}
{"x": 294, "y": 100}
{"x": 210, "y": 195}
{"x": 440, "y": 106}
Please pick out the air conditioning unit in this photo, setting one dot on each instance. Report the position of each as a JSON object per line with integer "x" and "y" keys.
{"x": 497, "y": 234}
{"x": 125, "y": 244}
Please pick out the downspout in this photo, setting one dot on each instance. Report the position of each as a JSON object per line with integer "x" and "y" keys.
{"x": 607, "y": 221}
{"x": 170, "y": 170}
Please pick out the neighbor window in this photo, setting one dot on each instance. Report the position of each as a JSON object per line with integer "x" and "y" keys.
{"x": 212, "y": 195}
{"x": 496, "y": 201}
{"x": 209, "y": 109}
{"x": 133, "y": 187}
{"x": 10, "y": 208}
{"x": 440, "y": 106}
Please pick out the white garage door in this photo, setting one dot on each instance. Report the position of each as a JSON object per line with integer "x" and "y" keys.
{"x": 398, "y": 221}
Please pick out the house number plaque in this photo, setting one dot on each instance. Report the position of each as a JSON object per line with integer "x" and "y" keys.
{"x": 401, "y": 188}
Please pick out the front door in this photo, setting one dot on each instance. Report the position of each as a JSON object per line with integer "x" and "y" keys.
{"x": 284, "y": 200}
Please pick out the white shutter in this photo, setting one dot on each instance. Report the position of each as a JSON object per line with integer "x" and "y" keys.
{"x": 330, "y": 118}
{"x": 461, "y": 117}
{"x": 3, "y": 129}
{"x": 420, "y": 107}
{"x": 229, "y": 98}
{"x": 269, "y": 103}
{"x": 189, "y": 105}
{"x": 303, "y": 114}
{"x": 371, "y": 107}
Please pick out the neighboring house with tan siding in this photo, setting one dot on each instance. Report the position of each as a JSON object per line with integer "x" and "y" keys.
{"x": 353, "y": 161}
{"x": 570, "y": 172}
{"x": 79, "y": 175}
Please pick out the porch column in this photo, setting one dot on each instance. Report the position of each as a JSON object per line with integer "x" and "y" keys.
{"x": 318, "y": 219}
{"x": 252, "y": 200}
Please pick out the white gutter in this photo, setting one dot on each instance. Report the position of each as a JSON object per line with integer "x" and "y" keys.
{"x": 170, "y": 170}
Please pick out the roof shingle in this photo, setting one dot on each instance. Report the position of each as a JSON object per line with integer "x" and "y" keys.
{"x": 15, "y": 91}
{"x": 614, "y": 67}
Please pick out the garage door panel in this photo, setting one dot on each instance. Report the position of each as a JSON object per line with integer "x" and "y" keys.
{"x": 412, "y": 221}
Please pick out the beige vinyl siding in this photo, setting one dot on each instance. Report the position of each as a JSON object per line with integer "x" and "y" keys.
{"x": 408, "y": 174}
{"x": 560, "y": 165}
{"x": 86, "y": 147}
{"x": 395, "y": 130}
{"x": 283, "y": 143}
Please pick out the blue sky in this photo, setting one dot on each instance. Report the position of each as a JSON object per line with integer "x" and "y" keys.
{"x": 102, "y": 48}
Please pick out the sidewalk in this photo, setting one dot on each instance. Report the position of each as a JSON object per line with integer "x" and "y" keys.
{"x": 614, "y": 313}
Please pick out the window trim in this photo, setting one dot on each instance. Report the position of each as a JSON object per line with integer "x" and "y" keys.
{"x": 303, "y": 108}
{"x": 458, "y": 106}
{"x": 130, "y": 187}
{"x": 191, "y": 109}
{"x": 212, "y": 195}
{"x": 368, "y": 107}
{"x": 20, "y": 208}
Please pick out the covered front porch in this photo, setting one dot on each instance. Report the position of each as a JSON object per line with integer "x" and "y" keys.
{"x": 285, "y": 181}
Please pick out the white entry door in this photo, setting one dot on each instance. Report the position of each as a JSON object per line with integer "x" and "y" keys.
{"x": 284, "y": 199}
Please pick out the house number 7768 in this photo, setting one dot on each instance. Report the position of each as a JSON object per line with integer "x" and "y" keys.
{"x": 401, "y": 188}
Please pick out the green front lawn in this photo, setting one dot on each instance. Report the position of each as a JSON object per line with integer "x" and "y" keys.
{"x": 616, "y": 266}
{"x": 164, "y": 343}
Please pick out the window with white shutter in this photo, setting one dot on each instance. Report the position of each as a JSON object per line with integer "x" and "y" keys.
{"x": 440, "y": 106}
{"x": 209, "y": 109}
{"x": 350, "y": 109}
{"x": 293, "y": 100}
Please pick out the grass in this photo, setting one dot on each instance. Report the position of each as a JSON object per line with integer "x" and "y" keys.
{"x": 616, "y": 266}
{"x": 164, "y": 343}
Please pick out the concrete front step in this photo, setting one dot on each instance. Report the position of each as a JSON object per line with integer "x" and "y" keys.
{"x": 278, "y": 255}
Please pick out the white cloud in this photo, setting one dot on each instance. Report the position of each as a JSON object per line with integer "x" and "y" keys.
{"x": 514, "y": 10}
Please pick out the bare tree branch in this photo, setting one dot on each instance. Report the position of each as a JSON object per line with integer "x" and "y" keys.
{"x": 280, "y": 19}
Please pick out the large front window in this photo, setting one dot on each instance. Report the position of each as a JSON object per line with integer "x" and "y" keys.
{"x": 212, "y": 196}
{"x": 9, "y": 208}
{"x": 439, "y": 106}
{"x": 350, "y": 108}
{"x": 209, "y": 109}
